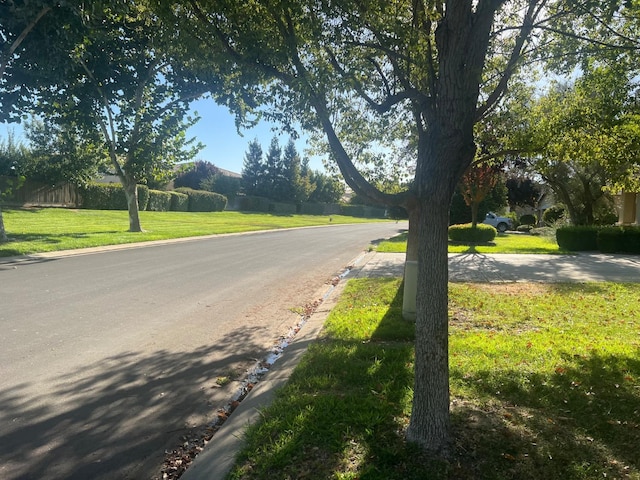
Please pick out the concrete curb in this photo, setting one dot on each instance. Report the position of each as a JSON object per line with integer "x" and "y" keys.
{"x": 219, "y": 455}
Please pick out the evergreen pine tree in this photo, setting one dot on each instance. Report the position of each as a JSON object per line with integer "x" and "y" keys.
{"x": 254, "y": 170}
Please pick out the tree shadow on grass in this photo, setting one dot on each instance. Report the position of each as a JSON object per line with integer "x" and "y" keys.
{"x": 582, "y": 421}
{"x": 344, "y": 411}
{"x": 115, "y": 418}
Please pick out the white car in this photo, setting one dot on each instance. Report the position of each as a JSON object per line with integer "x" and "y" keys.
{"x": 502, "y": 224}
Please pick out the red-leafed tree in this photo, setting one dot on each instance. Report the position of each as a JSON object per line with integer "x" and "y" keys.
{"x": 476, "y": 183}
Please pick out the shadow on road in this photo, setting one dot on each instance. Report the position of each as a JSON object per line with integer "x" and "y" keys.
{"x": 116, "y": 415}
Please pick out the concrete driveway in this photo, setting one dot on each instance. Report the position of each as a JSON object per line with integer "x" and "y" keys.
{"x": 583, "y": 267}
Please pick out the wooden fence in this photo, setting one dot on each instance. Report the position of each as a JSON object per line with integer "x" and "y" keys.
{"x": 32, "y": 193}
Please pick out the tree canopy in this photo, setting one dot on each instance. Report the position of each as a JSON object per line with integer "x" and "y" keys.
{"x": 433, "y": 69}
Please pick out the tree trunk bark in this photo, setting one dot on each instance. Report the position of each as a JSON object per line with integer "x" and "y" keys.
{"x": 474, "y": 213}
{"x": 131, "y": 192}
{"x": 3, "y": 233}
{"x": 430, "y": 425}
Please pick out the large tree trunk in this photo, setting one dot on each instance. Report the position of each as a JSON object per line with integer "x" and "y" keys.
{"x": 3, "y": 233}
{"x": 131, "y": 192}
{"x": 429, "y": 425}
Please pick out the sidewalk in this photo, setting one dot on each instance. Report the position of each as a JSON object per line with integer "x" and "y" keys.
{"x": 217, "y": 459}
{"x": 463, "y": 267}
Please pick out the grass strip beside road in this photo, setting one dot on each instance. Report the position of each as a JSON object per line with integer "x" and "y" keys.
{"x": 545, "y": 383}
{"x": 40, "y": 230}
{"x": 503, "y": 243}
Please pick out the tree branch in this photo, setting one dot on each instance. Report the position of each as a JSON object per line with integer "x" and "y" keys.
{"x": 521, "y": 39}
{"x": 18, "y": 41}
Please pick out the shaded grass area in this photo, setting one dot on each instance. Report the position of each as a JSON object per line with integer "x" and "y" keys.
{"x": 51, "y": 229}
{"x": 545, "y": 383}
{"x": 503, "y": 243}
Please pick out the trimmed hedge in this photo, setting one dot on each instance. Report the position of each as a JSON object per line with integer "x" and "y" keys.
{"x": 179, "y": 202}
{"x": 631, "y": 240}
{"x": 159, "y": 201}
{"x": 528, "y": 219}
{"x": 110, "y": 196}
{"x": 609, "y": 239}
{"x": 619, "y": 239}
{"x": 577, "y": 238}
{"x": 203, "y": 201}
{"x": 466, "y": 233}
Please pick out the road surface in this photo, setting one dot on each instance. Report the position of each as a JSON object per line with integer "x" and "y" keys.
{"x": 107, "y": 358}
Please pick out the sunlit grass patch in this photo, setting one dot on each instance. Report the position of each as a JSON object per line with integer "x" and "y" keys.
{"x": 52, "y": 229}
{"x": 503, "y": 243}
{"x": 545, "y": 383}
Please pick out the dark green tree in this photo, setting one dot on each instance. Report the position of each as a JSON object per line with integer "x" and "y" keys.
{"x": 276, "y": 183}
{"x": 62, "y": 154}
{"x": 522, "y": 192}
{"x": 192, "y": 174}
{"x": 254, "y": 170}
{"x": 327, "y": 189}
{"x": 299, "y": 183}
{"x": 13, "y": 154}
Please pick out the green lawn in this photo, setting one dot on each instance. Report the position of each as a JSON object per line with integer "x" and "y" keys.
{"x": 545, "y": 384}
{"x": 52, "y": 229}
{"x": 504, "y": 243}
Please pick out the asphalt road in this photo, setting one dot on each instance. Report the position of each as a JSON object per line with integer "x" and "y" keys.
{"x": 107, "y": 358}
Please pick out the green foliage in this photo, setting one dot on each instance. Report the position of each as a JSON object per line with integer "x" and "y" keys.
{"x": 522, "y": 191}
{"x": 553, "y": 214}
{"x": 253, "y": 170}
{"x": 252, "y": 203}
{"x": 203, "y": 201}
{"x": 110, "y": 196}
{"x": 494, "y": 201}
{"x": 610, "y": 239}
{"x": 578, "y": 238}
{"x": 222, "y": 184}
{"x": 328, "y": 189}
{"x": 623, "y": 239}
{"x": 528, "y": 219}
{"x": 62, "y": 153}
{"x": 469, "y": 234}
{"x": 159, "y": 201}
{"x": 179, "y": 202}
{"x": 279, "y": 176}
{"x": 365, "y": 211}
{"x": 587, "y": 140}
{"x": 191, "y": 175}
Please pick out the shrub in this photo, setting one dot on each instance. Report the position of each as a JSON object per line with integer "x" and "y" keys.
{"x": 353, "y": 210}
{"x": 610, "y": 239}
{"x": 251, "y": 203}
{"x": 159, "y": 201}
{"x": 143, "y": 197}
{"x": 202, "y": 201}
{"x": 110, "y": 196}
{"x": 577, "y": 238}
{"x": 397, "y": 213}
{"x": 631, "y": 240}
{"x": 312, "y": 208}
{"x": 552, "y": 214}
{"x": 466, "y": 233}
{"x": 528, "y": 219}
{"x": 179, "y": 202}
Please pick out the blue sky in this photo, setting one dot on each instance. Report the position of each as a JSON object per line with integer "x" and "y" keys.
{"x": 224, "y": 147}
{"x": 216, "y": 129}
